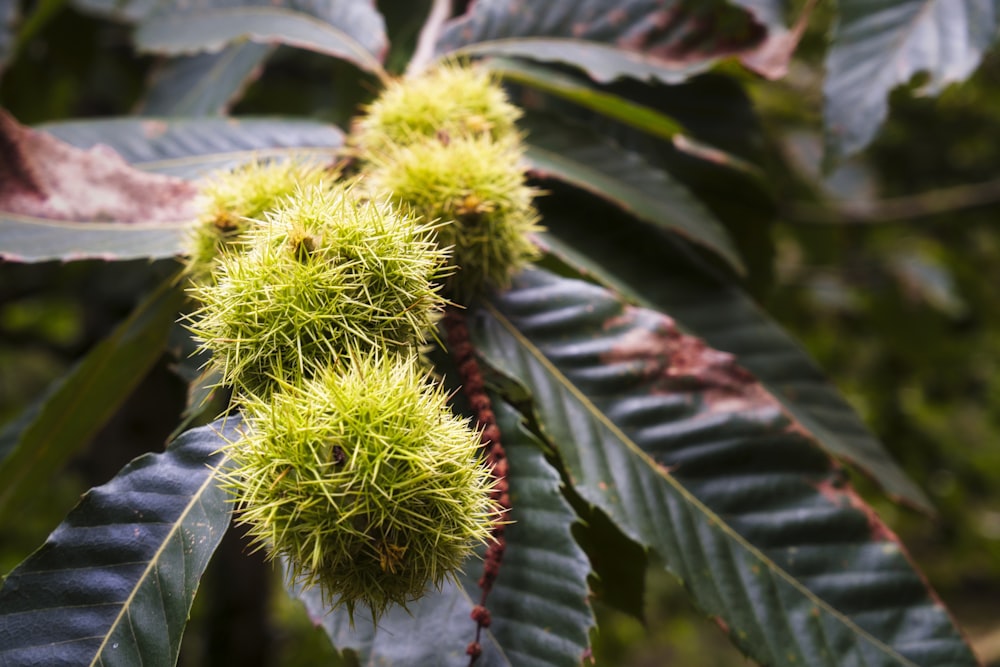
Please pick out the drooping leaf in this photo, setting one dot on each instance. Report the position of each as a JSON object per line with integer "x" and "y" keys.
{"x": 47, "y": 181}
{"x": 693, "y": 458}
{"x": 57, "y": 425}
{"x": 878, "y": 46}
{"x": 187, "y": 148}
{"x": 663, "y": 274}
{"x": 44, "y": 177}
{"x": 643, "y": 39}
{"x": 435, "y": 630}
{"x": 584, "y": 93}
{"x": 193, "y": 147}
{"x": 114, "y": 582}
{"x": 349, "y": 29}
{"x": 582, "y": 159}
{"x": 539, "y": 608}
{"x": 715, "y": 157}
{"x": 31, "y": 239}
{"x": 204, "y": 84}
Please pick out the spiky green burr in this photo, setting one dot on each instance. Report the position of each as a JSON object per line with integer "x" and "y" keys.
{"x": 448, "y": 101}
{"x": 322, "y": 275}
{"x": 233, "y": 198}
{"x": 475, "y": 186}
{"x": 364, "y": 481}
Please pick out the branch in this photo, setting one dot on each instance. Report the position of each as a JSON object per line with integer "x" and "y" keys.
{"x": 895, "y": 209}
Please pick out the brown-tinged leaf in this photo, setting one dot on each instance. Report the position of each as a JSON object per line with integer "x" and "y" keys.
{"x": 771, "y": 58}
{"x": 665, "y": 40}
{"x": 42, "y": 177}
{"x": 692, "y": 457}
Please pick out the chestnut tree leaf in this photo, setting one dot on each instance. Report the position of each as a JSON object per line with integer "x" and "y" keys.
{"x": 877, "y": 46}
{"x": 349, "y": 29}
{"x": 583, "y": 159}
{"x": 114, "y": 583}
{"x": 137, "y": 161}
{"x": 204, "y": 84}
{"x": 660, "y": 40}
{"x": 191, "y": 148}
{"x": 693, "y": 458}
{"x": 42, "y": 178}
{"x": 666, "y": 274}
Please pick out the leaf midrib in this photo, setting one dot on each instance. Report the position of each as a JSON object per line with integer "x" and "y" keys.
{"x": 195, "y": 498}
{"x": 693, "y": 501}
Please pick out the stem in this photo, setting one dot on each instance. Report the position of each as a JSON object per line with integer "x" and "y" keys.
{"x": 424, "y": 53}
{"x": 897, "y": 209}
{"x": 493, "y": 452}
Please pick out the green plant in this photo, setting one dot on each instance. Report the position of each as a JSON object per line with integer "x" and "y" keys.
{"x": 629, "y": 393}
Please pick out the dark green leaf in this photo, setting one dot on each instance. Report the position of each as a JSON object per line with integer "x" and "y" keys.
{"x": 619, "y": 564}
{"x": 435, "y": 631}
{"x": 663, "y": 274}
{"x": 114, "y": 582}
{"x": 349, "y": 29}
{"x": 643, "y": 39}
{"x": 56, "y": 426}
{"x": 712, "y": 109}
{"x": 581, "y": 158}
{"x": 878, "y": 46}
{"x": 539, "y": 602}
{"x": 404, "y": 20}
{"x": 28, "y": 239}
{"x": 122, "y": 10}
{"x": 582, "y": 92}
{"x": 693, "y": 458}
{"x": 192, "y": 147}
{"x": 715, "y": 156}
{"x": 204, "y": 84}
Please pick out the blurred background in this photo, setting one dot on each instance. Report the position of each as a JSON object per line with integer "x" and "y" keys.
{"x": 886, "y": 269}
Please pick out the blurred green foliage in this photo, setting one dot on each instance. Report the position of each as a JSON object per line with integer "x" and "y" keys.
{"x": 904, "y": 315}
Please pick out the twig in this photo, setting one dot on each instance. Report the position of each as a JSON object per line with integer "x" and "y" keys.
{"x": 424, "y": 53}
{"x": 896, "y": 209}
{"x": 496, "y": 458}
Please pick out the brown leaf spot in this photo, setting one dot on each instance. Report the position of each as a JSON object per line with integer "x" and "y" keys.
{"x": 617, "y": 17}
{"x": 677, "y": 362}
{"x": 152, "y": 129}
{"x": 719, "y": 621}
{"x": 680, "y": 36}
{"x": 43, "y": 177}
{"x": 771, "y": 58}
{"x": 842, "y": 494}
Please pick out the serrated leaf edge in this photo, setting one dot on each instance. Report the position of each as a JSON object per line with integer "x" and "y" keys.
{"x": 711, "y": 516}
